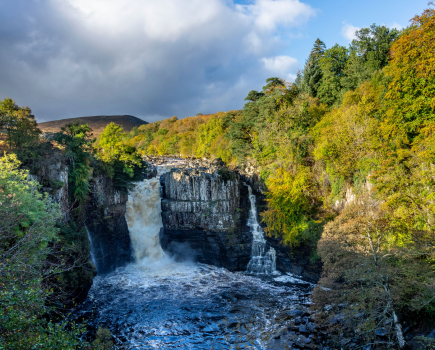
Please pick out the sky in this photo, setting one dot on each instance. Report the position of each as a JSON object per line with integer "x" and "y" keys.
{"x": 160, "y": 58}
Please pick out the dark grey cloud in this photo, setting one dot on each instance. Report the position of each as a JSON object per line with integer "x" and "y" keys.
{"x": 152, "y": 59}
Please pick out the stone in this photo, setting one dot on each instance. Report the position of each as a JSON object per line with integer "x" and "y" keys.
{"x": 303, "y": 329}
{"x": 295, "y": 313}
{"x": 302, "y": 341}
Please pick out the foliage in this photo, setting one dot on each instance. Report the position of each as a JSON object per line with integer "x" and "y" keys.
{"x": 27, "y": 229}
{"x": 409, "y": 101}
{"x": 103, "y": 339}
{"x": 289, "y": 202}
{"x": 77, "y": 141}
{"x": 332, "y": 64}
{"x": 20, "y": 132}
{"x": 347, "y": 139}
{"x": 369, "y": 279}
{"x": 121, "y": 160}
{"x": 312, "y": 74}
{"x": 368, "y": 54}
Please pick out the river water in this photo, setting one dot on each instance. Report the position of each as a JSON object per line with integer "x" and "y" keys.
{"x": 157, "y": 303}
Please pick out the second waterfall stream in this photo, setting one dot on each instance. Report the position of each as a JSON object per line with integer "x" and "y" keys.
{"x": 261, "y": 262}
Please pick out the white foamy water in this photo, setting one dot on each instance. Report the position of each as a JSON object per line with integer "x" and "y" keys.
{"x": 144, "y": 220}
{"x": 261, "y": 262}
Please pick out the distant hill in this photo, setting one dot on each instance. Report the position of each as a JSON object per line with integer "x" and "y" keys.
{"x": 97, "y": 123}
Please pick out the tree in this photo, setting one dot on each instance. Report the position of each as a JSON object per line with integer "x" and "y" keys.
{"x": 375, "y": 274}
{"x": 254, "y": 96}
{"x": 333, "y": 64}
{"x": 77, "y": 139}
{"x": 289, "y": 204}
{"x": 369, "y": 52}
{"x": 409, "y": 103}
{"x": 27, "y": 230}
{"x": 122, "y": 161}
{"x": 312, "y": 74}
{"x": 20, "y": 128}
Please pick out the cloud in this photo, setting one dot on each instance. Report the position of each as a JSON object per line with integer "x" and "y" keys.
{"x": 395, "y": 26}
{"x": 282, "y": 66}
{"x": 348, "y": 31}
{"x": 268, "y": 14}
{"x": 152, "y": 59}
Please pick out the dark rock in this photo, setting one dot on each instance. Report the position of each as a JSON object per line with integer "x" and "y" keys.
{"x": 337, "y": 319}
{"x": 311, "y": 327}
{"x": 294, "y": 313}
{"x": 381, "y": 332}
{"x": 205, "y": 208}
{"x": 302, "y": 341}
{"x": 303, "y": 329}
{"x": 431, "y": 334}
{"x": 108, "y": 230}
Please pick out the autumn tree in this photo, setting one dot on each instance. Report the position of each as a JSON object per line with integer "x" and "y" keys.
{"x": 409, "y": 101}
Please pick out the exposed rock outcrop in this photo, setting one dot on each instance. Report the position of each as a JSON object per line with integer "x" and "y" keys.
{"x": 52, "y": 173}
{"x": 201, "y": 217}
{"x": 205, "y": 211}
{"x": 108, "y": 230}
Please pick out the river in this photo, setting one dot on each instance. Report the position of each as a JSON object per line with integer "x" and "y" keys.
{"x": 157, "y": 303}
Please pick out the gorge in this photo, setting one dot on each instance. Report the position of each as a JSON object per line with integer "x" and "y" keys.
{"x": 200, "y": 278}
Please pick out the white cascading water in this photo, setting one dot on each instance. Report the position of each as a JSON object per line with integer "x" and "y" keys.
{"x": 144, "y": 220}
{"x": 91, "y": 245}
{"x": 261, "y": 262}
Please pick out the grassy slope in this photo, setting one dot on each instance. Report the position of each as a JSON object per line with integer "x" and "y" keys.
{"x": 97, "y": 123}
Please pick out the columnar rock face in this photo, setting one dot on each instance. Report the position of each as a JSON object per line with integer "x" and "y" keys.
{"x": 108, "y": 230}
{"x": 205, "y": 212}
{"x": 52, "y": 174}
{"x": 196, "y": 199}
{"x": 202, "y": 217}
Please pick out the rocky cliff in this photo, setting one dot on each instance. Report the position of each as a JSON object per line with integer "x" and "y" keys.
{"x": 106, "y": 225}
{"x": 202, "y": 217}
{"x": 205, "y": 208}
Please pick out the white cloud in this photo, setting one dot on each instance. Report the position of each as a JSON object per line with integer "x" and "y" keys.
{"x": 395, "y": 26}
{"x": 268, "y": 14}
{"x": 282, "y": 66}
{"x": 66, "y": 58}
{"x": 348, "y": 31}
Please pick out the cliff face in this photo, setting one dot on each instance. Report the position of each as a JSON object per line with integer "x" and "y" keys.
{"x": 205, "y": 212}
{"x": 202, "y": 217}
{"x": 106, "y": 225}
{"x": 52, "y": 174}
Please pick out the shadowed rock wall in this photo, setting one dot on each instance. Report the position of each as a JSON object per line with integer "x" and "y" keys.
{"x": 205, "y": 212}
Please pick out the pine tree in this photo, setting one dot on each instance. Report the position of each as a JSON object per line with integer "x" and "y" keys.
{"x": 312, "y": 73}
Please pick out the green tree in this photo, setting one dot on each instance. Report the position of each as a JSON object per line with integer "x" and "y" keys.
{"x": 20, "y": 128}
{"x": 369, "y": 52}
{"x": 333, "y": 64}
{"x": 122, "y": 161}
{"x": 77, "y": 140}
{"x": 312, "y": 74}
{"x": 27, "y": 231}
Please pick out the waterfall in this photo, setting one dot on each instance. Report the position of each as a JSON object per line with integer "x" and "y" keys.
{"x": 91, "y": 245}
{"x": 144, "y": 220}
{"x": 261, "y": 262}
